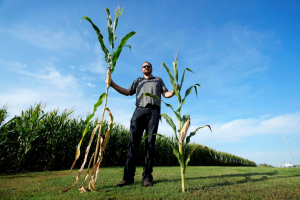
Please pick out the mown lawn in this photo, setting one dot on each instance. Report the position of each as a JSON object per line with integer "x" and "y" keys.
{"x": 201, "y": 183}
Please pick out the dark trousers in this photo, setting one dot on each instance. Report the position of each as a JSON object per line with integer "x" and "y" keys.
{"x": 142, "y": 119}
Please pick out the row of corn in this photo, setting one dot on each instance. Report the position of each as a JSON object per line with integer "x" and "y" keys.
{"x": 52, "y": 139}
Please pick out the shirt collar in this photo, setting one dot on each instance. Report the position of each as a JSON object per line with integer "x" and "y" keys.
{"x": 152, "y": 77}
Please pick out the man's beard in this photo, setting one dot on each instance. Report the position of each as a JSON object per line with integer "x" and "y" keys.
{"x": 147, "y": 72}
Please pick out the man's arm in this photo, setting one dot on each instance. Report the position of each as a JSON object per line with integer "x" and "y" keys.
{"x": 167, "y": 94}
{"x": 118, "y": 88}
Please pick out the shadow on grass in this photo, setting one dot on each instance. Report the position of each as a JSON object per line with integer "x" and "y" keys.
{"x": 248, "y": 178}
{"x": 221, "y": 176}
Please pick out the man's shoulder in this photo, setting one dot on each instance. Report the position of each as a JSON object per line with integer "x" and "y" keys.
{"x": 158, "y": 78}
{"x": 138, "y": 79}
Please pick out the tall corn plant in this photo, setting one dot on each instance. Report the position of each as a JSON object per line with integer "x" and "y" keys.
{"x": 183, "y": 153}
{"x": 111, "y": 58}
{"x": 3, "y": 114}
{"x": 55, "y": 129}
{"x": 28, "y": 126}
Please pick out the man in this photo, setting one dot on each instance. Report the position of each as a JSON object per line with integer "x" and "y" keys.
{"x": 145, "y": 117}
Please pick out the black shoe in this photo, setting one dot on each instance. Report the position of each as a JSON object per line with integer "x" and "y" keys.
{"x": 147, "y": 183}
{"x": 124, "y": 183}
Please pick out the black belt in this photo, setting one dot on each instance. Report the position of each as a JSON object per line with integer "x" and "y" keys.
{"x": 150, "y": 106}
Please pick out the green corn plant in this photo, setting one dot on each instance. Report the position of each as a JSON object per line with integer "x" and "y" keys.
{"x": 28, "y": 127}
{"x": 55, "y": 129}
{"x": 183, "y": 153}
{"x": 111, "y": 59}
{"x": 3, "y": 113}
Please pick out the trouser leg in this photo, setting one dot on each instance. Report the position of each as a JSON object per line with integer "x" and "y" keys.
{"x": 152, "y": 127}
{"x": 137, "y": 126}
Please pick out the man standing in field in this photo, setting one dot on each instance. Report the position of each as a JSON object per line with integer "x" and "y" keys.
{"x": 145, "y": 117}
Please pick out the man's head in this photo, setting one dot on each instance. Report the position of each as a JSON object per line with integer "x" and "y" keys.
{"x": 147, "y": 68}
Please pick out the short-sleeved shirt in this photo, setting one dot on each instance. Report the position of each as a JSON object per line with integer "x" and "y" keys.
{"x": 141, "y": 85}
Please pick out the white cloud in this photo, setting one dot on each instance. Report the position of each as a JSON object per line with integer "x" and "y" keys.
{"x": 236, "y": 130}
{"x": 58, "y": 80}
{"x": 11, "y": 64}
{"x": 91, "y": 85}
{"x": 47, "y": 38}
{"x": 47, "y": 73}
{"x": 96, "y": 67}
{"x": 48, "y": 85}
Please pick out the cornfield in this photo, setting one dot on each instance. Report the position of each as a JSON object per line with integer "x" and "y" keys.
{"x": 54, "y": 136}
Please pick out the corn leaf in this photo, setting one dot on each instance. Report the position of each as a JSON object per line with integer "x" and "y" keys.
{"x": 175, "y": 89}
{"x": 184, "y": 119}
{"x": 84, "y": 161}
{"x": 117, "y": 53}
{"x": 183, "y": 76}
{"x": 81, "y": 188}
{"x": 175, "y": 151}
{"x": 100, "y": 38}
{"x": 128, "y": 46}
{"x": 96, "y": 167}
{"x": 102, "y": 148}
{"x": 110, "y": 29}
{"x": 118, "y": 14}
{"x": 187, "y": 93}
{"x": 175, "y": 68}
{"x": 187, "y": 158}
{"x": 197, "y": 84}
{"x": 171, "y": 123}
{"x": 178, "y": 156}
{"x": 99, "y": 102}
{"x": 193, "y": 133}
{"x": 109, "y": 128}
{"x": 169, "y": 105}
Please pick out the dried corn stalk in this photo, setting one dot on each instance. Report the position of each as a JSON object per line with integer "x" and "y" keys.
{"x": 111, "y": 59}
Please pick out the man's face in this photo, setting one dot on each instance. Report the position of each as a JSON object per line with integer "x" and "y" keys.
{"x": 147, "y": 69}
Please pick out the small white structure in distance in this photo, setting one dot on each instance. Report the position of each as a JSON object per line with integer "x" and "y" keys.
{"x": 288, "y": 165}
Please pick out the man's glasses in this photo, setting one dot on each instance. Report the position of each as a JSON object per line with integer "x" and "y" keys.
{"x": 148, "y": 66}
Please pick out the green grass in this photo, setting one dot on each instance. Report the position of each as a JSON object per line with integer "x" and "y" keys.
{"x": 201, "y": 183}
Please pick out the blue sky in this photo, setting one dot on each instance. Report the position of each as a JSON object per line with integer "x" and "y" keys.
{"x": 245, "y": 54}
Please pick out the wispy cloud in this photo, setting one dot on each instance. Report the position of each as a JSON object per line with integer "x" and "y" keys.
{"x": 47, "y": 85}
{"x": 11, "y": 64}
{"x": 91, "y": 85}
{"x": 47, "y": 38}
{"x": 47, "y": 73}
{"x": 98, "y": 66}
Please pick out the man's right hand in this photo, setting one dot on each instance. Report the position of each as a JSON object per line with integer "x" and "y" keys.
{"x": 118, "y": 88}
{"x": 106, "y": 81}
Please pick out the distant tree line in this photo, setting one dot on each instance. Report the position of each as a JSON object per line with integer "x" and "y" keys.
{"x": 37, "y": 140}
